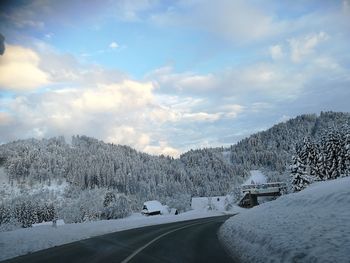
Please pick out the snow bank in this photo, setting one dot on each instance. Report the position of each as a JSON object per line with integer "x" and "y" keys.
{"x": 25, "y": 240}
{"x": 59, "y": 222}
{"x": 310, "y": 226}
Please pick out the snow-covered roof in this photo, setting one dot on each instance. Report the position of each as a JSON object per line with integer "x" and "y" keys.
{"x": 153, "y": 206}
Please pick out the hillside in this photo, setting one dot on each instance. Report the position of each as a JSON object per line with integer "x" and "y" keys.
{"x": 90, "y": 163}
{"x": 272, "y": 149}
{"x": 91, "y": 168}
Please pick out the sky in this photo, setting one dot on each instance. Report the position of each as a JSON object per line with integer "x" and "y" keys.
{"x": 168, "y": 76}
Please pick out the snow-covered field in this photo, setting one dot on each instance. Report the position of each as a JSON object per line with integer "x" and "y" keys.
{"x": 310, "y": 226}
{"x": 25, "y": 240}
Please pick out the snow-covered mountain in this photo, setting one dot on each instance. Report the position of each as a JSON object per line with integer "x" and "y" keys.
{"x": 89, "y": 168}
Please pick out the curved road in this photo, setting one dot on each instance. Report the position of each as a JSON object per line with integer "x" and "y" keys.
{"x": 187, "y": 241}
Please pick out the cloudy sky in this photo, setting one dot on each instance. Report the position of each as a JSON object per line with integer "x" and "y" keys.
{"x": 168, "y": 76}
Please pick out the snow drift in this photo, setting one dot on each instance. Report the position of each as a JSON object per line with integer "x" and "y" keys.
{"x": 310, "y": 226}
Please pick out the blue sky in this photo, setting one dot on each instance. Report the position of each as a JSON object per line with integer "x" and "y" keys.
{"x": 168, "y": 76}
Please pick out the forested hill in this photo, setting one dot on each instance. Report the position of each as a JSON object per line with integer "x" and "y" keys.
{"x": 88, "y": 163}
{"x": 272, "y": 149}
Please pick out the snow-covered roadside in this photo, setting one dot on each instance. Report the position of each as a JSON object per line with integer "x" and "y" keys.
{"x": 25, "y": 240}
{"x": 310, "y": 226}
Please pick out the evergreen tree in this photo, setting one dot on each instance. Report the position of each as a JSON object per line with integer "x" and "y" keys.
{"x": 109, "y": 198}
{"x": 119, "y": 208}
{"x": 325, "y": 160}
{"x": 300, "y": 179}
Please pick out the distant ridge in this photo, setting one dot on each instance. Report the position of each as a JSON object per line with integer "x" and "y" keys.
{"x": 91, "y": 163}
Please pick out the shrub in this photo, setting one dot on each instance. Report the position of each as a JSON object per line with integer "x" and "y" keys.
{"x": 120, "y": 208}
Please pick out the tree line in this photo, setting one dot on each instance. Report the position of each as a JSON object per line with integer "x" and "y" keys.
{"x": 325, "y": 158}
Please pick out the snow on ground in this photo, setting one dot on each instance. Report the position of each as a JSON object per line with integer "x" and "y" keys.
{"x": 310, "y": 226}
{"x": 235, "y": 209}
{"x": 212, "y": 202}
{"x": 26, "y": 240}
{"x": 256, "y": 177}
{"x": 59, "y": 222}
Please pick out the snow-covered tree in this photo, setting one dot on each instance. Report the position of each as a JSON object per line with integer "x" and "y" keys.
{"x": 300, "y": 179}
{"x": 325, "y": 160}
{"x": 109, "y": 198}
{"x": 26, "y": 213}
{"x": 182, "y": 202}
{"x": 118, "y": 208}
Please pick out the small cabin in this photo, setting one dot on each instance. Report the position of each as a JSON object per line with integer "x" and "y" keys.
{"x": 153, "y": 207}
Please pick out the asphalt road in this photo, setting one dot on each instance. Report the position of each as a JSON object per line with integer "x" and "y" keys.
{"x": 187, "y": 241}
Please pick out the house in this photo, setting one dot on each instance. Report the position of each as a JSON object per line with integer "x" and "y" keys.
{"x": 154, "y": 207}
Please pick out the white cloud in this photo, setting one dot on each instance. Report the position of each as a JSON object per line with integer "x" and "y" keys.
{"x": 261, "y": 106}
{"x": 233, "y": 110}
{"x": 201, "y": 116}
{"x": 231, "y": 19}
{"x": 301, "y": 47}
{"x": 49, "y": 35}
{"x": 276, "y": 52}
{"x": 122, "y": 111}
{"x": 262, "y": 81}
{"x": 197, "y": 82}
{"x": 179, "y": 109}
{"x": 65, "y": 68}
{"x": 113, "y": 45}
{"x": 326, "y": 62}
{"x": 237, "y": 21}
{"x": 128, "y": 135}
{"x": 346, "y": 6}
{"x": 165, "y": 77}
{"x": 20, "y": 70}
{"x": 22, "y": 18}
{"x": 162, "y": 148}
{"x": 5, "y": 119}
{"x": 115, "y": 97}
{"x": 164, "y": 114}
{"x": 130, "y": 11}
{"x": 270, "y": 80}
{"x": 118, "y": 113}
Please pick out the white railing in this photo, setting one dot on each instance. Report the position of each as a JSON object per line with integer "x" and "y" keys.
{"x": 273, "y": 187}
